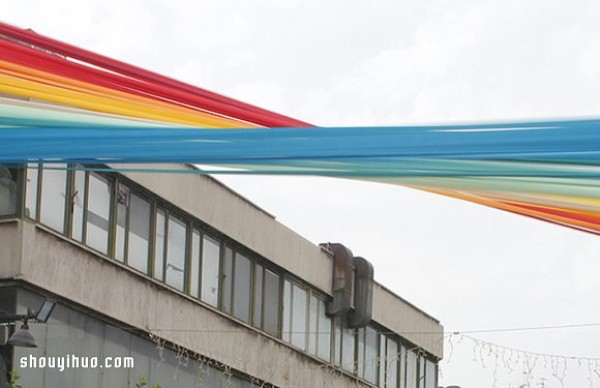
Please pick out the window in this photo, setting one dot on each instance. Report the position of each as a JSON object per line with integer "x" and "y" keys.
{"x": 227, "y": 280}
{"x": 176, "y": 240}
{"x": 319, "y": 329}
{"x": 324, "y": 336}
{"x": 121, "y": 232}
{"x": 257, "y": 315}
{"x": 295, "y": 314}
{"x": 138, "y": 238}
{"x": 241, "y": 286}
{"x": 348, "y": 349}
{"x": 402, "y": 367}
{"x": 98, "y": 212}
{"x": 313, "y": 318}
{"x": 266, "y": 300}
{"x": 430, "y": 374}
{"x": 53, "y": 196}
{"x": 286, "y": 330}
{"x": 367, "y": 354}
{"x": 411, "y": 369}
{"x": 8, "y": 190}
{"x": 194, "y": 274}
{"x": 271, "y": 303}
{"x": 299, "y": 317}
{"x": 391, "y": 380}
{"x": 159, "y": 245}
{"x": 421, "y": 376}
{"x": 211, "y": 250}
{"x": 78, "y": 204}
{"x": 344, "y": 341}
{"x": 31, "y": 190}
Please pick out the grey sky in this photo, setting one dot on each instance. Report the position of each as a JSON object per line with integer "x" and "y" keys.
{"x": 382, "y": 63}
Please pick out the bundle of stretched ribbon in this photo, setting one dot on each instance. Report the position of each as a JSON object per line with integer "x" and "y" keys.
{"x": 65, "y": 104}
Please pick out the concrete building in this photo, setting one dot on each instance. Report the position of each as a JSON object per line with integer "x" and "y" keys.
{"x": 195, "y": 283}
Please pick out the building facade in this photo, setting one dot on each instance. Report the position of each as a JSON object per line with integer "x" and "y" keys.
{"x": 195, "y": 284}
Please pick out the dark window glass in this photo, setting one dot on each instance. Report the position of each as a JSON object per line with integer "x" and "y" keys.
{"x": 271, "y": 303}
{"x": 241, "y": 299}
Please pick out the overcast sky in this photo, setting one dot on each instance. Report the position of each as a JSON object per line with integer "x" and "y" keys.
{"x": 334, "y": 62}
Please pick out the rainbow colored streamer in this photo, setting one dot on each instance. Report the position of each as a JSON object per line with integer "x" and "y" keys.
{"x": 62, "y": 103}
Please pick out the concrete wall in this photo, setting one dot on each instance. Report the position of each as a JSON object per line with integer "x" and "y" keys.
{"x": 10, "y": 248}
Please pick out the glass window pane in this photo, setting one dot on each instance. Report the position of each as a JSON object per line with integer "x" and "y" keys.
{"x": 227, "y": 280}
{"x": 159, "y": 246}
{"x": 258, "y": 296}
{"x": 421, "y": 376}
{"x": 411, "y": 369}
{"x": 241, "y": 300}
{"x": 286, "y": 330}
{"x": 360, "y": 352}
{"x": 392, "y": 364}
{"x": 271, "y": 303}
{"x": 98, "y": 213}
{"x": 54, "y": 188}
{"x": 195, "y": 265}
{"x": 31, "y": 191}
{"x": 324, "y": 337}
{"x": 313, "y": 318}
{"x": 299, "y": 316}
{"x": 348, "y": 349}
{"x": 139, "y": 233}
{"x": 402, "y": 362}
{"x": 121, "y": 237}
{"x": 211, "y": 252}
{"x": 176, "y": 253}
{"x": 78, "y": 204}
{"x": 430, "y": 374}
{"x": 371, "y": 353}
{"x": 8, "y": 190}
{"x": 382, "y": 360}
{"x": 337, "y": 334}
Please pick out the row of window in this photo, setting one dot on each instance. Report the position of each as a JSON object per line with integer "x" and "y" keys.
{"x": 70, "y": 332}
{"x": 130, "y": 225}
